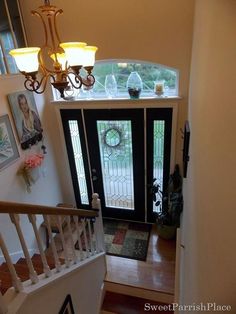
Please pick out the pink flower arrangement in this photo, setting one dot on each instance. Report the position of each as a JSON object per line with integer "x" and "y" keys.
{"x": 27, "y": 170}
{"x": 34, "y": 161}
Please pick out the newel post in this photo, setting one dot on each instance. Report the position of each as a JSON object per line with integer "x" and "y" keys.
{"x": 98, "y": 226}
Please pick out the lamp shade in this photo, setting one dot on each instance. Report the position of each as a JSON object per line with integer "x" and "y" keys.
{"x": 74, "y": 52}
{"x": 26, "y": 59}
{"x": 61, "y": 58}
{"x": 89, "y": 56}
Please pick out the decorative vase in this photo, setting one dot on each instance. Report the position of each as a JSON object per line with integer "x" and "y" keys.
{"x": 159, "y": 88}
{"x": 134, "y": 85}
{"x": 110, "y": 86}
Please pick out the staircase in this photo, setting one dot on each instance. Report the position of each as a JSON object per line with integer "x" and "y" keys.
{"x": 42, "y": 283}
{"x": 22, "y": 270}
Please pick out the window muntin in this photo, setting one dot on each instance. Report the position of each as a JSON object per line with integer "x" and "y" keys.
{"x": 11, "y": 34}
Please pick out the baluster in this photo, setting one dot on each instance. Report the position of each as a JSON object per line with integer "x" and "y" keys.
{"x": 15, "y": 218}
{"x": 59, "y": 224}
{"x": 76, "y": 220}
{"x": 98, "y": 225}
{"x": 52, "y": 241}
{"x": 90, "y": 236}
{"x": 85, "y": 237}
{"x": 74, "y": 257}
{"x": 46, "y": 269}
{"x": 15, "y": 280}
{"x": 3, "y": 307}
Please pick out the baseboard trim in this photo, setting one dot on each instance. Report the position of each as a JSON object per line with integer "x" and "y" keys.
{"x": 139, "y": 292}
{"x": 17, "y": 255}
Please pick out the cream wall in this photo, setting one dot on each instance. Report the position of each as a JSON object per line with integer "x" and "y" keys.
{"x": 12, "y": 188}
{"x": 209, "y": 237}
{"x": 158, "y": 31}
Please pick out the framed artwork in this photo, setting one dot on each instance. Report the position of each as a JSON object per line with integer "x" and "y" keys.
{"x": 8, "y": 148}
{"x": 186, "y": 148}
{"x": 67, "y": 307}
{"x": 26, "y": 118}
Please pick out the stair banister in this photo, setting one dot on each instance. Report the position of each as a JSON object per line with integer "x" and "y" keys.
{"x": 98, "y": 225}
{"x": 14, "y": 278}
{"x": 15, "y": 218}
{"x": 46, "y": 269}
{"x": 21, "y": 208}
{"x": 63, "y": 242}
{"x": 85, "y": 237}
{"x": 90, "y": 237}
{"x": 52, "y": 241}
{"x": 74, "y": 257}
{"x": 76, "y": 220}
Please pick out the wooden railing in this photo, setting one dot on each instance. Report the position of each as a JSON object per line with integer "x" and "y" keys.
{"x": 87, "y": 224}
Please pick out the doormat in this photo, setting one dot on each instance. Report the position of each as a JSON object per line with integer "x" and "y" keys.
{"x": 126, "y": 239}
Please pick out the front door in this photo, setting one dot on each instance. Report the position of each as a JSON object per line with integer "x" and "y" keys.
{"x": 116, "y": 148}
{"x": 114, "y": 153}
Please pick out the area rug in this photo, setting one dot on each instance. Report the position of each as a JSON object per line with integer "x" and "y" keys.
{"x": 126, "y": 239}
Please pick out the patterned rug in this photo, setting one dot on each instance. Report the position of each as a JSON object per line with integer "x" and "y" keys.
{"x": 126, "y": 239}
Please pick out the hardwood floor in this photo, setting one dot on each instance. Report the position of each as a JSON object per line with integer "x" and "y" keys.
{"x": 156, "y": 274}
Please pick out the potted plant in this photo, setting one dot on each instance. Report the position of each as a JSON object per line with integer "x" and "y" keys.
{"x": 169, "y": 204}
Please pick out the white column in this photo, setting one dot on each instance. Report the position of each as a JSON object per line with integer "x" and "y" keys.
{"x": 52, "y": 242}
{"x": 46, "y": 269}
{"x": 98, "y": 225}
{"x": 15, "y": 218}
{"x": 74, "y": 257}
{"x": 59, "y": 224}
{"x": 15, "y": 280}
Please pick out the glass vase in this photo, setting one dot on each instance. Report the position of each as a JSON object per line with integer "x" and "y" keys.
{"x": 134, "y": 85}
{"x": 110, "y": 86}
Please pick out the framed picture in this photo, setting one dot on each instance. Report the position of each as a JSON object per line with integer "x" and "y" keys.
{"x": 186, "y": 148}
{"x": 8, "y": 149}
{"x": 26, "y": 118}
{"x": 67, "y": 307}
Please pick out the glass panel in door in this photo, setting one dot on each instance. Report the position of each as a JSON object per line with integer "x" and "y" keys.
{"x": 116, "y": 148}
{"x": 116, "y": 155}
{"x": 77, "y": 155}
{"x": 159, "y": 128}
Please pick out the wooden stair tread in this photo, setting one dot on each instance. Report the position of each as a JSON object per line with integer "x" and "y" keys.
{"x": 120, "y": 304}
{"x": 6, "y": 283}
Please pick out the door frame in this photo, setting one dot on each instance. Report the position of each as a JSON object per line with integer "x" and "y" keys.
{"x": 66, "y": 180}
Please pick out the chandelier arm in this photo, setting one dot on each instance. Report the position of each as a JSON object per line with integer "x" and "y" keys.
{"x": 58, "y": 12}
{"x": 36, "y": 13}
{"x": 88, "y": 81}
{"x": 78, "y": 80}
{"x": 33, "y": 85}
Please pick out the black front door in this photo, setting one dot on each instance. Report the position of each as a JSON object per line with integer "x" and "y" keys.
{"x": 116, "y": 148}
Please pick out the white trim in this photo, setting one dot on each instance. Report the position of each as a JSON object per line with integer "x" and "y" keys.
{"x": 64, "y": 157}
{"x": 87, "y": 151}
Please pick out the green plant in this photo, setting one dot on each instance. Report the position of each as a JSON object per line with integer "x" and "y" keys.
{"x": 170, "y": 203}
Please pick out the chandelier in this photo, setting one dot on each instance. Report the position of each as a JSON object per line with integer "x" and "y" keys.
{"x": 61, "y": 63}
